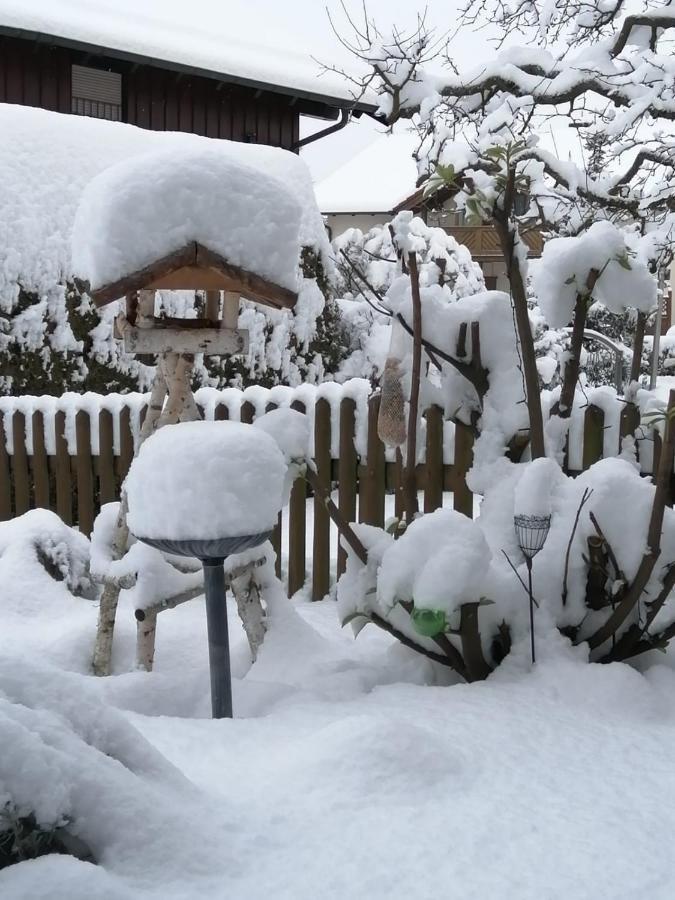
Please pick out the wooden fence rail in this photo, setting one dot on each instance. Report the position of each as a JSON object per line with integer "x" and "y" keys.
{"x": 67, "y": 477}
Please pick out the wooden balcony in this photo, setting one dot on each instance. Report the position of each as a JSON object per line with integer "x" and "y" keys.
{"x": 483, "y": 242}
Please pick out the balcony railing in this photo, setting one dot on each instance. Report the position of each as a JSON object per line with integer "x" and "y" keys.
{"x": 98, "y": 109}
{"x": 483, "y": 242}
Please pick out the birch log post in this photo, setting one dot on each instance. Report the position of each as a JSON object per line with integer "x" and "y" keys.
{"x": 169, "y": 377}
{"x": 247, "y": 592}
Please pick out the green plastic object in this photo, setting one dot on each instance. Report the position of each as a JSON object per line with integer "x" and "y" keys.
{"x": 429, "y": 622}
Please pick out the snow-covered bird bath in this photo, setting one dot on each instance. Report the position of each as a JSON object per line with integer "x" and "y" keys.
{"x": 207, "y": 490}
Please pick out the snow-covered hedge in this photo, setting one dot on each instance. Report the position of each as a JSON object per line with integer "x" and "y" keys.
{"x": 51, "y": 337}
{"x": 372, "y": 260}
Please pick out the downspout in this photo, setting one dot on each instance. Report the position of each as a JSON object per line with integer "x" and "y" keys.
{"x": 345, "y": 119}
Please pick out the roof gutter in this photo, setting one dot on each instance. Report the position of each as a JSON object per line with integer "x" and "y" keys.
{"x": 345, "y": 119}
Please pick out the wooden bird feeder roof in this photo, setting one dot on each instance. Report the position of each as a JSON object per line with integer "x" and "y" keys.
{"x": 194, "y": 268}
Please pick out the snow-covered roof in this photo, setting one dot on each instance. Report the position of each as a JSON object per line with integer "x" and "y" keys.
{"x": 144, "y": 208}
{"x": 230, "y": 45}
{"x": 376, "y": 180}
{"x": 52, "y": 158}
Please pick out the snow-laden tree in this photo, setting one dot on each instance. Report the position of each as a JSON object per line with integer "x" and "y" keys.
{"x": 367, "y": 266}
{"x": 446, "y": 587}
{"x": 607, "y": 73}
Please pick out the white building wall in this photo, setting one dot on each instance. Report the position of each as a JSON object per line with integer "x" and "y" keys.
{"x": 338, "y": 223}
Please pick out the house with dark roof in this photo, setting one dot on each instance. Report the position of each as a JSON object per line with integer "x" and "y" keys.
{"x": 60, "y": 57}
{"x": 380, "y": 181}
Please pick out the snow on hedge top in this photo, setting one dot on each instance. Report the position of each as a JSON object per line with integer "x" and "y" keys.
{"x": 142, "y": 209}
{"x": 201, "y": 480}
{"x": 567, "y": 263}
{"x": 50, "y": 160}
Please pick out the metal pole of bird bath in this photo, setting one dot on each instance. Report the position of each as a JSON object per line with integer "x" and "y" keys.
{"x": 219, "y": 645}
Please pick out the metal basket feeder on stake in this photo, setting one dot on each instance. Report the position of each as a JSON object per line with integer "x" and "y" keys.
{"x": 175, "y": 342}
{"x": 531, "y": 534}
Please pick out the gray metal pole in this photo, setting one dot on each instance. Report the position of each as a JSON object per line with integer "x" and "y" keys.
{"x": 219, "y": 645}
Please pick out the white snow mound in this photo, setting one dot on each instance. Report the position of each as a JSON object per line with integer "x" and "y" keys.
{"x": 201, "y": 480}
{"x": 142, "y": 209}
{"x": 439, "y": 562}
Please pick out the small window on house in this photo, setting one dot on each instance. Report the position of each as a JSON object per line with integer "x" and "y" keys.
{"x": 97, "y": 93}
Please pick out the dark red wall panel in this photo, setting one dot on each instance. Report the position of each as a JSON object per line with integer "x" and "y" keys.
{"x": 36, "y": 74}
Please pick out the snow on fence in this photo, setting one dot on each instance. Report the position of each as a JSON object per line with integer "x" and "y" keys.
{"x": 71, "y": 454}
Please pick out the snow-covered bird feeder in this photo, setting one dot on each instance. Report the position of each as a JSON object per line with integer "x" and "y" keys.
{"x": 187, "y": 220}
{"x": 207, "y": 490}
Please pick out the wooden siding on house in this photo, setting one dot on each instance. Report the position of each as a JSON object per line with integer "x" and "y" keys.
{"x": 37, "y": 74}
{"x": 168, "y": 101}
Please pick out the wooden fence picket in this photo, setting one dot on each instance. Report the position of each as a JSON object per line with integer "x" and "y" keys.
{"x": 594, "y": 424}
{"x": 297, "y": 528}
{"x": 63, "y": 476}
{"x": 106, "y": 458}
{"x": 20, "y": 474}
{"x": 39, "y": 462}
{"x": 433, "y": 482}
{"x": 372, "y": 471}
{"x": 126, "y": 443}
{"x": 462, "y": 497}
{"x": 84, "y": 473}
{"x": 321, "y": 536}
{"x": 5, "y": 476}
{"x": 346, "y": 471}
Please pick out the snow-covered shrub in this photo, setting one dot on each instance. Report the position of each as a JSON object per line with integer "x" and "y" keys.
{"x": 36, "y": 550}
{"x": 373, "y": 259}
{"x": 74, "y": 774}
{"x": 447, "y": 589}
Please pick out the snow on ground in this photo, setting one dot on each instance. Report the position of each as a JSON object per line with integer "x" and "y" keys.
{"x": 347, "y": 771}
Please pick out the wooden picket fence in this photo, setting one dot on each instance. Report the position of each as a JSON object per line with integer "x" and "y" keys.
{"x": 75, "y": 484}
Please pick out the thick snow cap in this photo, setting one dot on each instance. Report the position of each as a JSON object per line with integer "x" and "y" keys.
{"x": 205, "y": 480}
{"x": 52, "y": 158}
{"x": 145, "y": 208}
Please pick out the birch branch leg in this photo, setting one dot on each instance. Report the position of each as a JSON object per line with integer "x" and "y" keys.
{"x": 247, "y": 593}
{"x": 180, "y": 404}
{"x": 111, "y": 588}
{"x": 145, "y": 641}
{"x": 109, "y": 599}
{"x": 156, "y": 402}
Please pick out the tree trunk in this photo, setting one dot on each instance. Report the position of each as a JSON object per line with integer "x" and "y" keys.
{"x": 638, "y": 342}
{"x": 507, "y": 239}
{"x": 564, "y": 406}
